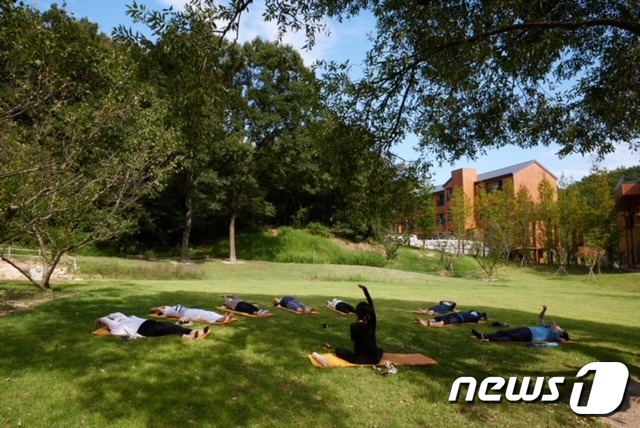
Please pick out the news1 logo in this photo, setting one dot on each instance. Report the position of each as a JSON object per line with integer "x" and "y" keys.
{"x": 606, "y": 395}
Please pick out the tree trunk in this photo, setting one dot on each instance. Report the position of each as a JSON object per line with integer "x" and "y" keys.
{"x": 232, "y": 239}
{"x": 47, "y": 271}
{"x": 188, "y": 218}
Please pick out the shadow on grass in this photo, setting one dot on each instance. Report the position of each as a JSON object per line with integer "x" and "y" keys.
{"x": 256, "y": 371}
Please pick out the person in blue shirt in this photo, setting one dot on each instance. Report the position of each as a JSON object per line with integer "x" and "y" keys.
{"x": 542, "y": 332}
{"x": 463, "y": 317}
{"x": 293, "y": 304}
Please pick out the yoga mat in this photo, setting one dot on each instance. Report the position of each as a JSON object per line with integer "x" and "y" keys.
{"x": 244, "y": 314}
{"x": 397, "y": 359}
{"x": 337, "y": 311}
{"x": 298, "y": 313}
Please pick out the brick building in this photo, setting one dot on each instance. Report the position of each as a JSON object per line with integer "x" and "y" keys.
{"x": 627, "y": 196}
{"x": 527, "y": 174}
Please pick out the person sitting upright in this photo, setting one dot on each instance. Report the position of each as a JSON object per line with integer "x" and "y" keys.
{"x": 293, "y": 304}
{"x": 363, "y": 335}
{"x": 540, "y": 333}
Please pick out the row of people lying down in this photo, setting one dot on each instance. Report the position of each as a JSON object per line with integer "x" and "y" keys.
{"x": 132, "y": 326}
{"x": 362, "y": 331}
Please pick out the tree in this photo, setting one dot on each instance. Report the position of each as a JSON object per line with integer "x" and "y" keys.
{"x": 194, "y": 69}
{"x": 83, "y": 139}
{"x": 571, "y": 210}
{"x": 460, "y": 210}
{"x": 548, "y": 218}
{"x": 591, "y": 256}
{"x": 493, "y": 212}
{"x": 467, "y": 76}
{"x": 522, "y": 220}
{"x": 239, "y": 190}
{"x": 600, "y": 217}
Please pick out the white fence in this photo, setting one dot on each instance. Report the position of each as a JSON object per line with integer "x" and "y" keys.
{"x": 446, "y": 245}
{"x": 18, "y": 254}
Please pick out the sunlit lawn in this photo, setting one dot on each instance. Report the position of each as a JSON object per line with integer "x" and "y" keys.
{"x": 255, "y": 372}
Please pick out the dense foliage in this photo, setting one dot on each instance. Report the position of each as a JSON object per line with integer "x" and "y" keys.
{"x": 141, "y": 141}
{"x": 466, "y": 75}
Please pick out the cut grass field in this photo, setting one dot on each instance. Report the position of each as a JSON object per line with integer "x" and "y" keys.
{"x": 255, "y": 372}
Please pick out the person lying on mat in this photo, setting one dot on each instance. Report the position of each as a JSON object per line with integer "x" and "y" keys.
{"x": 463, "y": 317}
{"x": 542, "y": 332}
{"x": 234, "y": 303}
{"x": 132, "y": 327}
{"x": 443, "y": 308}
{"x": 293, "y": 304}
{"x": 363, "y": 335}
{"x": 187, "y": 315}
{"x": 341, "y": 306}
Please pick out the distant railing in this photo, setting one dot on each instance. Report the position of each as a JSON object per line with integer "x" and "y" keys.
{"x": 27, "y": 254}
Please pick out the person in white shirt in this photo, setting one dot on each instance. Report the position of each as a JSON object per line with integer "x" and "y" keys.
{"x": 133, "y": 327}
{"x": 186, "y": 315}
{"x": 341, "y": 306}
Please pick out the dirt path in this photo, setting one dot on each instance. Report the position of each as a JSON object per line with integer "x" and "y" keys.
{"x": 9, "y": 272}
{"x": 629, "y": 414}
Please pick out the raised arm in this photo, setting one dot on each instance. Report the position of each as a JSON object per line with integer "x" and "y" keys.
{"x": 541, "y": 316}
{"x": 367, "y": 295}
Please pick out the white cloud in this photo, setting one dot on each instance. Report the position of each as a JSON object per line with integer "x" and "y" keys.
{"x": 254, "y": 25}
{"x": 176, "y": 4}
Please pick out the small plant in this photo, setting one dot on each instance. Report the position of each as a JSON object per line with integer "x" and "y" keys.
{"x": 591, "y": 257}
{"x": 319, "y": 229}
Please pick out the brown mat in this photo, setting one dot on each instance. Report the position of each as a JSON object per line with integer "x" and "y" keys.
{"x": 298, "y": 313}
{"x": 244, "y": 314}
{"x": 337, "y": 311}
{"x": 192, "y": 319}
{"x": 397, "y": 359}
{"x": 102, "y": 331}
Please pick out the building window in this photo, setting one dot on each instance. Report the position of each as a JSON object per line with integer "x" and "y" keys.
{"x": 441, "y": 220}
{"x": 495, "y": 185}
{"x": 440, "y": 199}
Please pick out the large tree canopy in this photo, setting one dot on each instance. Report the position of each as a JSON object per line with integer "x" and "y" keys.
{"x": 471, "y": 75}
{"x": 81, "y": 139}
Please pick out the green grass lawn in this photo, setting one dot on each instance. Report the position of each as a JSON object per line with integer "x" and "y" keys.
{"x": 255, "y": 372}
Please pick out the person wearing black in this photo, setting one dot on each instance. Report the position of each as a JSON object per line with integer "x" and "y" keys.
{"x": 464, "y": 317}
{"x": 363, "y": 335}
{"x": 341, "y": 306}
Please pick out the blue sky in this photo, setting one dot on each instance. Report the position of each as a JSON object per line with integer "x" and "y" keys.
{"x": 350, "y": 40}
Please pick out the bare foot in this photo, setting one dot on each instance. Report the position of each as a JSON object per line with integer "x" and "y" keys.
{"x": 184, "y": 321}
{"x": 422, "y": 322}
